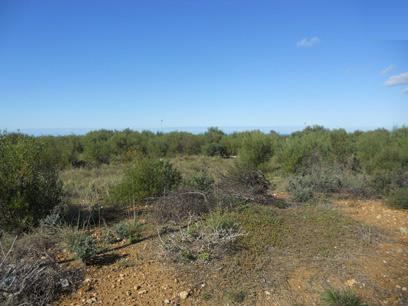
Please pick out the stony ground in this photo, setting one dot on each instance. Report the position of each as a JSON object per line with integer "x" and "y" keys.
{"x": 365, "y": 251}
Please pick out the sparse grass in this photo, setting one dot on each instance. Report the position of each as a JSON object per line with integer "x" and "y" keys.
{"x": 263, "y": 225}
{"x": 333, "y": 297}
{"x": 90, "y": 186}
{"x": 189, "y": 166}
{"x": 320, "y": 231}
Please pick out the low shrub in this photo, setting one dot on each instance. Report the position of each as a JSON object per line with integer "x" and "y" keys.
{"x": 300, "y": 188}
{"x": 398, "y": 199}
{"x": 108, "y": 236}
{"x": 217, "y": 221}
{"x": 179, "y": 205}
{"x": 83, "y": 245}
{"x": 326, "y": 180}
{"x": 333, "y": 297}
{"x": 130, "y": 230}
{"x": 29, "y": 273}
{"x": 200, "y": 181}
{"x": 203, "y": 240}
{"x": 243, "y": 184}
{"x": 145, "y": 178}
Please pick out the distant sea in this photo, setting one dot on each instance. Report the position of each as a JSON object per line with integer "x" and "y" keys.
{"x": 283, "y": 130}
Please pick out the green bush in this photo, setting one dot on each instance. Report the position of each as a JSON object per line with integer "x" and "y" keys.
{"x": 255, "y": 150}
{"x": 83, "y": 245}
{"x": 214, "y": 149}
{"x": 29, "y": 183}
{"x": 145, "y": 178}
{"x": 98, "y": 148}
{"x": 333, "y": 297}
{"x": 399, "y": 199}
{"x": 130, "y": 230}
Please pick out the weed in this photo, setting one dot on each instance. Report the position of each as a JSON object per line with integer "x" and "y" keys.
{"x": 130, "y": 230}
{"x": 236, "y": 297}
{"x": 83, "y": 245}
{"x": 207, "y": 295}
{"x": 204, "y": 256}
{"x": 333, "y": 297}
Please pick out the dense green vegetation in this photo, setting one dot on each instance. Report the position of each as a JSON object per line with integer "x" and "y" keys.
{"x": 29, "y": 182}
{"x": 315, "y": 160}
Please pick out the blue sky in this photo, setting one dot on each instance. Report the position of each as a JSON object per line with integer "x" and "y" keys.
{"x": 116, "y": 64}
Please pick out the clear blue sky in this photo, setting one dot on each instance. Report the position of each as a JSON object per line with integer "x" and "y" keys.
{"x": 118, "y": 64}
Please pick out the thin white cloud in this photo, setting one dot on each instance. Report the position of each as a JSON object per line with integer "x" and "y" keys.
{"x": 400, "y": 79}
{"x": 308, "y": 42}
{"x": 405, "y": 90}
{"x": 387, "y": 69}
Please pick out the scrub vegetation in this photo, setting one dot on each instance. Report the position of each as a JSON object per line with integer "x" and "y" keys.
{"x": 260, "y": 210}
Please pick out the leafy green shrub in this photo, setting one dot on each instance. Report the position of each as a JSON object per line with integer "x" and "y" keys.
{"x": 399, "y": 199}
{"x": 83, "y": 245}
{"x": 29, "y": 184}
{"x": 97, "y": 147}
{"x": 145, "y": 178}
{"x": 333, "y": 297}
{"x": 214, "y": 149}
{"x": 130, "y": 230}
{"x": 255, "y": 150}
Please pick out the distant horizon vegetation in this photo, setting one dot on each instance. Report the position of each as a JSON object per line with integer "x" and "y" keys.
{"x": 282, "y": 130}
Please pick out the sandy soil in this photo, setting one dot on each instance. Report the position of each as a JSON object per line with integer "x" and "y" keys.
{"x": 136, "y": 275}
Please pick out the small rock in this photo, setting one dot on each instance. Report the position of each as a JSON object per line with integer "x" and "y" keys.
{"x": 64, "y": 283}
{"x": 404, "y": 288}
{"x": 267, "y": 293}
{"x": 142, "y": 292}
{"x": 404, "y": 230}
{"x": 398, "y": 286}
{"x": 183, "y": 295}
{"x": 91, "y": 300}
{"x": 137, "y": 287}
{"x": 351, "y": 282}
{"x": 166, "y": 301}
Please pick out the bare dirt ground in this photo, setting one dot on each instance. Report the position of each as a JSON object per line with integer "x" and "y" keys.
{"x": 290, "y": 257}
